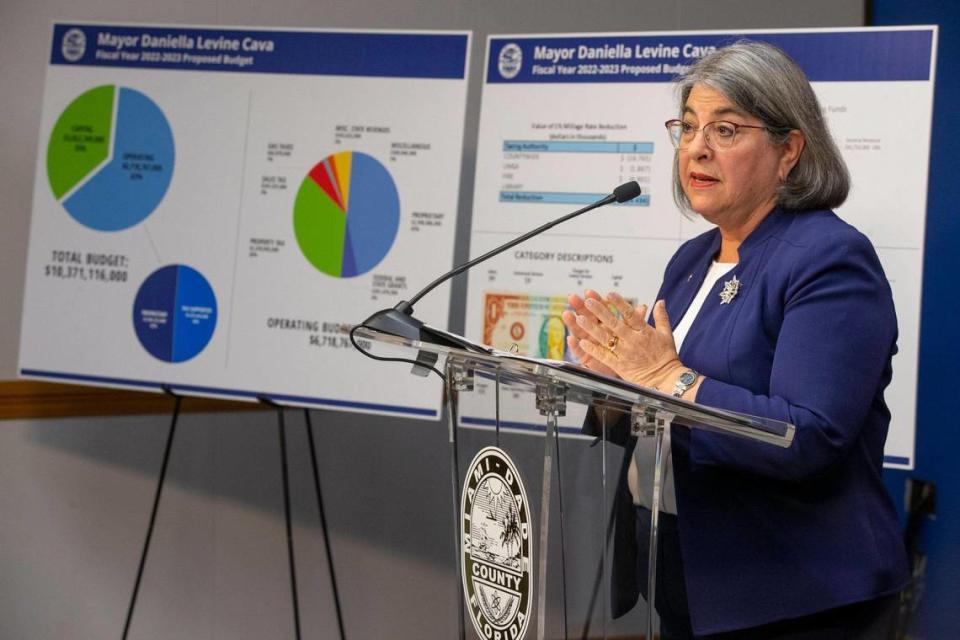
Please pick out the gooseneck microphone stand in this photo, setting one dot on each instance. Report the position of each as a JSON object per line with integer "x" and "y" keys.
{"x": 399, "y": 320}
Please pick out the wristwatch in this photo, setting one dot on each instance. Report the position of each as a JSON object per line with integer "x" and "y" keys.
{"x": 684, "y": 382}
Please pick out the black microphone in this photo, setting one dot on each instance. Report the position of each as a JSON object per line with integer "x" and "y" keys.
{"x": 399, "y": 320}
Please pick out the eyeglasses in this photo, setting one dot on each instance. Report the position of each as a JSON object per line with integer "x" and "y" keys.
{"x": 718, "y": 134}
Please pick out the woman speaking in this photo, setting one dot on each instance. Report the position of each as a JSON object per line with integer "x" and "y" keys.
{"x": 783, "y": 311}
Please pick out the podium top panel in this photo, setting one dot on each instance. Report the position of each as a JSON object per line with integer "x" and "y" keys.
{"x": 578, "y": 384}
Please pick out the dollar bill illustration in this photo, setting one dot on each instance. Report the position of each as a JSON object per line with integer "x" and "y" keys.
{"x": 527, "y": 324}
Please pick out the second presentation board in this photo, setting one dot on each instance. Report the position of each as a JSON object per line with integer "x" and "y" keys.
{"x": 566, "y": 118}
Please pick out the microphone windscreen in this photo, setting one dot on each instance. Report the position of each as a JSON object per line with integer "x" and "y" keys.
{"x": 627, "y": 191}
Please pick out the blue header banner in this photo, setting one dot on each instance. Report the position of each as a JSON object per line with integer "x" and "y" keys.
{"x": 825, "y": 56}
{"x": 391, "y": 55}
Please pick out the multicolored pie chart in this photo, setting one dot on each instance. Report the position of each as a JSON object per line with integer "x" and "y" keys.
{"x": 346, "y": 214}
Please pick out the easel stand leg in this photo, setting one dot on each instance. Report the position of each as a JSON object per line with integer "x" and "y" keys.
{"x": 323, "y": 522}
{"x": 153, "y": 514}
{"x": 286, "y": 514}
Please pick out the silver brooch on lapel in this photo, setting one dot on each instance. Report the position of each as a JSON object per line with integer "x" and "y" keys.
{"x": 730, "y": 290}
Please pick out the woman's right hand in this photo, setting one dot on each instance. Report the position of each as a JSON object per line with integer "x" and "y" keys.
{"x": 576, "y": 333}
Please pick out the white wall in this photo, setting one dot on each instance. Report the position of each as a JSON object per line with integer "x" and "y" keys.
{"x": 76, "y": 498}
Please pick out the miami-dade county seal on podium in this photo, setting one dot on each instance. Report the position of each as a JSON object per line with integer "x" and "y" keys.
{"x": 497, "y": 546}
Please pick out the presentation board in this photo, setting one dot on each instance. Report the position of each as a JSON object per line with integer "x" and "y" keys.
{"x": 212, "y": 206}
{"x": 566, "y": 118}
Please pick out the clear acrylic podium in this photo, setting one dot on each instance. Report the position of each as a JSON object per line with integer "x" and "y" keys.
{"x": 548, "y": 557}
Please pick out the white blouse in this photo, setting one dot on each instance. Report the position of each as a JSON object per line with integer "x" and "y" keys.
{"x": 644, "y": 456}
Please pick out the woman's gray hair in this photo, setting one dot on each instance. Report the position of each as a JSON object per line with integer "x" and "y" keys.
{"x": 766, "y": 83}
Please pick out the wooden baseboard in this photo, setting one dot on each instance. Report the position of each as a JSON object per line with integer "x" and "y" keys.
{"x": 21, "y": 399}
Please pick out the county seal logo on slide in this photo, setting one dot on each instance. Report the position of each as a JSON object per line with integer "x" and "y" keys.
{"x": 74, "y": 45}
{"x": 497, "y": 546}
{"x": 510, "y": 60}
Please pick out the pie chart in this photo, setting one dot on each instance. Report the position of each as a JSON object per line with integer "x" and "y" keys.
{"x": 110, "y": 158}
{"x": 175, "y": 313}
{"x": 346, "y": 214}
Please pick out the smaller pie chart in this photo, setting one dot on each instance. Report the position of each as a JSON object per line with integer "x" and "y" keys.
{"x": 175, "y": 313}
{"x": 346, "y": 214}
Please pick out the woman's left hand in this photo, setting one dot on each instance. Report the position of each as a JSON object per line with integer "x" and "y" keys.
{"x": 639, "y": 353}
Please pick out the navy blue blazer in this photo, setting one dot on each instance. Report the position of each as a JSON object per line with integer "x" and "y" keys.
{"x": 768, "y": 533}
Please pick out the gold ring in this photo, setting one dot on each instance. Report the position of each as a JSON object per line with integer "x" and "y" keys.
{"x": 612, "y": 343}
